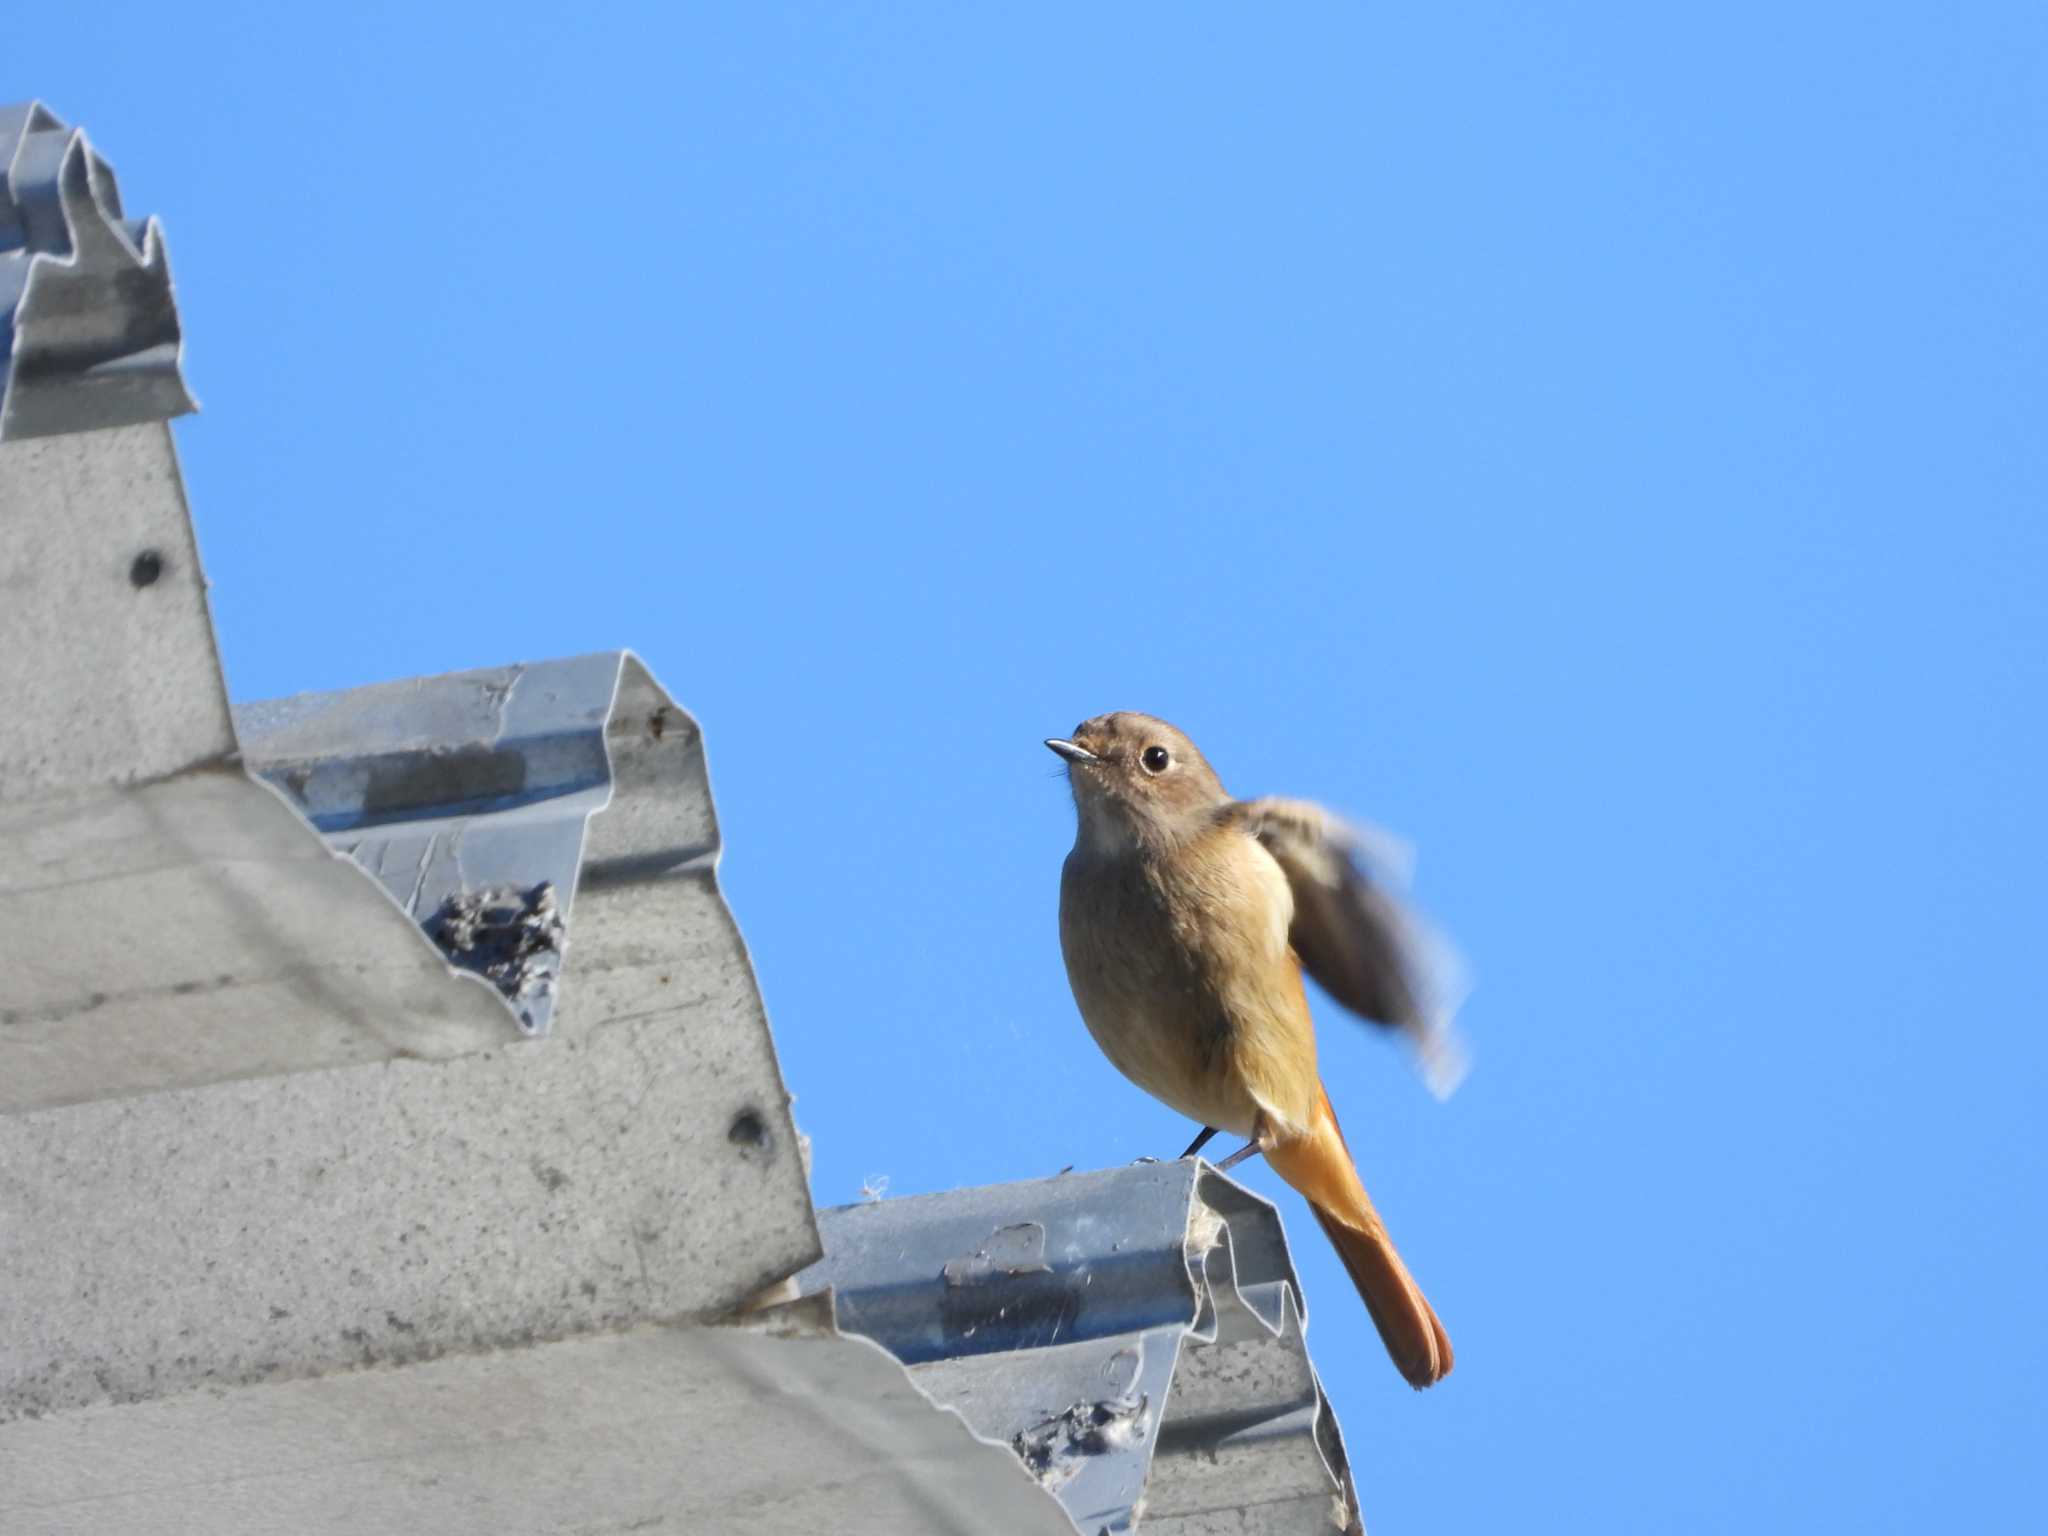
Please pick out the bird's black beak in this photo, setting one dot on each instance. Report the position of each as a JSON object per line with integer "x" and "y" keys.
{"x": 1072, "y": 751}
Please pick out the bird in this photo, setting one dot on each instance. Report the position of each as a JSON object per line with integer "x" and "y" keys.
{"x": 1187, "y": 919}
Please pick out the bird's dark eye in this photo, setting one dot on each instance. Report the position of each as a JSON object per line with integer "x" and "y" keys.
{"x": 1156, "y": 759}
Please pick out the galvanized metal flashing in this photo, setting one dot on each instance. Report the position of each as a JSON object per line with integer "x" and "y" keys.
{"x": 1135, "y": 1335}
{"x": 469, "y": 797}
{"x": 89, "y": 333}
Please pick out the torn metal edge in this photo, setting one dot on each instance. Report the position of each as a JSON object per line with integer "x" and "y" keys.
{"x": 89, "y": 329}
{"x": 1220, "y": 1295}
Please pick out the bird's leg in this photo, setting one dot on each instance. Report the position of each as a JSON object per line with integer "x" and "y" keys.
{"x": 1255, "y": 1145}
{"x": 1198, "y": 1143}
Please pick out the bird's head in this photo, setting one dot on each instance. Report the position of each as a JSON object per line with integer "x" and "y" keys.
{"x": 1137, "y": 780}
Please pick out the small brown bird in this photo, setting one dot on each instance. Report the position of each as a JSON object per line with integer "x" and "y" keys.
{"x": 1186, "y": 918}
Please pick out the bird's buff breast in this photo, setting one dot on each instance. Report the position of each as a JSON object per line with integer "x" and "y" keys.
{"x": 1180, "y": 974}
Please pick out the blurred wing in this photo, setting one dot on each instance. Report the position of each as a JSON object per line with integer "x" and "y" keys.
{"x": 1356, "y": 937}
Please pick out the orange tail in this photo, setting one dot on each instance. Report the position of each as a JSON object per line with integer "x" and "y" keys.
{"x": 1320, "y": 1166}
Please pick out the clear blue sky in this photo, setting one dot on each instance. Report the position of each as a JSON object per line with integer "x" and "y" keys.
{"x": 1604, "y": 446}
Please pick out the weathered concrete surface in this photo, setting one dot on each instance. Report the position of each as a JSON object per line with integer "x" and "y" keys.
{"x": 246, "y": 1231}
{"x": 164, "y": 919}
{"x": 109, "y": 678}
{"x": 682, "y": 1430}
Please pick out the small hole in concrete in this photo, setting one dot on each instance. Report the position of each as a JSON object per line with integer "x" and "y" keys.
{"x": 748, "y": 1130}
{"x": 148, "y": 566}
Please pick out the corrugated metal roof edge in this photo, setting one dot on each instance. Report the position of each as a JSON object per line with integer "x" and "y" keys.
{"x": 1136, "y": 1334}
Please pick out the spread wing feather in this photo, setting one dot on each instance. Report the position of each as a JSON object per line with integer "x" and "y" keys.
{"x": 1354, "y": 934}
